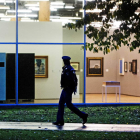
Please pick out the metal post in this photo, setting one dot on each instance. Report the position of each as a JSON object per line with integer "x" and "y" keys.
{"x": 116, "y": 94}
{"x": 16, "y": 51}
{"x": 119, "y": 93}
{"x": 84, "y": 59}
{"x": 102, "y": 93}
{"x": 105, "y": 94}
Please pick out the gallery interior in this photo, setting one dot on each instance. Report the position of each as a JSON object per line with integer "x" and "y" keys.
{"x": 40, "y": 37}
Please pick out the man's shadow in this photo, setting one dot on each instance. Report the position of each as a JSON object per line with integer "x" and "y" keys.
{"x": 80, "y": 128}
{"x": 59, "y": 127}
{"x": 84, "y": 126}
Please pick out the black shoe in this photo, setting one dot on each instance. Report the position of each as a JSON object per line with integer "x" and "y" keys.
{"x": 58, "y": 123}
{"x": 85, "y": 119}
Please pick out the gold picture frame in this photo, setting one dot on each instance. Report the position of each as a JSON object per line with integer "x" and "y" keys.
{"x": 41, "y": 66}
{"x": 125, "y": 66}
{"x": 95, "y": 66}
{"x": 75, "y": 65}
{"x": 134, "y": 66}
{"x": 130, "y": 66}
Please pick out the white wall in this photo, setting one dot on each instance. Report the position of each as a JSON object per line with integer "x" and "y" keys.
{"x": 7, "y": 31}
{"x": 72, "y": 36}
{"x": 94, "y": 84}
{"x": 47, "y": 87}
{"x": 44, "y": 32}
{"x": 130, "y": 83}
{"x": 75, "y": 52}
{"x": 8, "y": 48}
{"x": 53, "y": 32}
{"x": 38, "y": 32}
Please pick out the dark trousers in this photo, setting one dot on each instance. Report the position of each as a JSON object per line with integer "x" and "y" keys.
{"x": 66, "y": 97}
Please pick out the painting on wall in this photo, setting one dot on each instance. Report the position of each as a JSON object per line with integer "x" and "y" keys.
{"x": 41, "y": 66}
{"x": 121, "y": 66}
{"x": 125, "y": 67}
{"x": 94, "y": 66}
{"x": 130, "y": 66}
{"x": 134, "y": 66}
{"x": 75, "y": 65}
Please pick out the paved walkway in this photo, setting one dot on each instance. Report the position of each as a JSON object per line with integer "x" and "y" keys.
{"x": 70, "y": 126}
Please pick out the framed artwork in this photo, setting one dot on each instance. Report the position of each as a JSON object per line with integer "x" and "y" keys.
{"x": 134, "y": 66}
{"x": 94, "y": 66}
{"x": 41, "y": 66}
{"x": 130, "y": 66}
{"x": 125, "y": 66}
{"x": 75, "y": 65}
{"x": 121, "y": 66}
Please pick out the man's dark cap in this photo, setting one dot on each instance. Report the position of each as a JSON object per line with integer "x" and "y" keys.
{"x": 66, "y": 58}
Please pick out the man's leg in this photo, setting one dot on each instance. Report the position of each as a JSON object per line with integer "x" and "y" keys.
{"x": 68, "y": 98}
{"x": 60, "y": 113}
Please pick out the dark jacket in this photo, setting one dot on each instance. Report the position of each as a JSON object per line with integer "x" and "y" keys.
{"x": 68, "y": 78}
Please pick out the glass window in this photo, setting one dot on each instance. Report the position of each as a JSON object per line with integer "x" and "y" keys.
{"x": 7, "y": 21}
{"x": 77, "y": 61}
{"x": 41, "y": 67}
{"x": 45, "y": 21}
{"x": 96, "y": 84}
{"x": 7, "y": 74}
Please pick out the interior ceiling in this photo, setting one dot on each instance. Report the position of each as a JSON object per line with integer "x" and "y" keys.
{"x": 62, "y": 12}
{"x": 70, "y": 12}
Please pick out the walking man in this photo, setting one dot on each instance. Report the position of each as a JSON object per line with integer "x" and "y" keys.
{"x": 69, "y": 85}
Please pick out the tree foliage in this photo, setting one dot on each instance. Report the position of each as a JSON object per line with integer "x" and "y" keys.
{"x": 102, "y": 39}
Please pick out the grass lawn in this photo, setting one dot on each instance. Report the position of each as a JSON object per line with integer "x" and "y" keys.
{"x": 104, "y": 115}
{"x": 65, "y": 135}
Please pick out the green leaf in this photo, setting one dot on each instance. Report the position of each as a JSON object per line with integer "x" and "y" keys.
{"x": 91, "y": 47}
{"x": 82, "y": 48}
{"x": 112, "y": 48}
{"x": 125, "y": 13}
{"x": 108, "y": 50}
{"x": 131, "y": 49}
{"x": 95, "y": 50}
{"x": 100, "y": 49}
{"x": 86, "y": 32}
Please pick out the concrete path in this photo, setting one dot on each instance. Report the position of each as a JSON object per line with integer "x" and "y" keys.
{"x": 70, "y": 126}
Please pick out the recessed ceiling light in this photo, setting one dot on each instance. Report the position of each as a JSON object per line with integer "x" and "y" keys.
{"x": 32, "y": 4}
{"x": 89, "y": 0}
{"x": 57, "y": 3}
{"x": 7, "y": 1}
{"x": 69, "y": 7}
{"x": 70, "y": 17}
{"x": 53, "y": 9}
{"x": 55, "y": 6}
{"x": 20, "y": 11}
{"x": 34, "y": 8}
{"x": 27, "y": 15}
{"x": 7, "y": 16}
{"x": 92, "y": 11}
{"x": 55, "y": 17}
{"x": 64, "y": 21}
{"x": 33, "y": 0}
{"x": 4, "y": 7}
